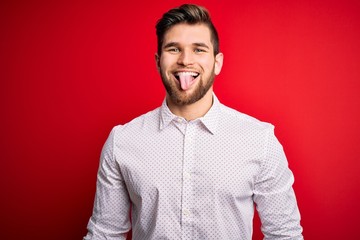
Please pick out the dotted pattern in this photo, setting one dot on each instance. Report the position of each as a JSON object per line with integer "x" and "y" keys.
{"x": 194, "y": 179}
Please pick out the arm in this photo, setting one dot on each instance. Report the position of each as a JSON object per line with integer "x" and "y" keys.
{"x": 110, "y": 217}
{"x": 274, "y": 195}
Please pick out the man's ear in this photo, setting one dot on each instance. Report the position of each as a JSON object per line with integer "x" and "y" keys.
{"x": 219, "y": 59}
{"x": 157, "y": 60}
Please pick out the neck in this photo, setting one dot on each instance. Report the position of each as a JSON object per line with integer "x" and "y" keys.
{"x": 194, "y": 110}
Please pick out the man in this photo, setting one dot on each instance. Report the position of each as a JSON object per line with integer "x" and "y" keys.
{"x": 192, "y": 168}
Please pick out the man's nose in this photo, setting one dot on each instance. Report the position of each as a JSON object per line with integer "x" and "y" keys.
{"x": 185, "y": 58}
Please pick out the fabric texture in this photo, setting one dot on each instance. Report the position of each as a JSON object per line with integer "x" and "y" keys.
{"x": 195, "y": 179}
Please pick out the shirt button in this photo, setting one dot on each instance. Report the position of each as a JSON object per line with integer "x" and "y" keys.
{"x": 186, "y": 212}
{"x": 187, "y": 175}
{"x": 179, "y": 120}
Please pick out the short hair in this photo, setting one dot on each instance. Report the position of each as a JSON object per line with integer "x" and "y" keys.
{"x": 186, "y": 13}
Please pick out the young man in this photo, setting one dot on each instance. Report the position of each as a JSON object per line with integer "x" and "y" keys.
{"x": 192, "y": 168}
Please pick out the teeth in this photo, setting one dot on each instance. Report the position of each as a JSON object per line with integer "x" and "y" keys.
{"x": 194, "y": 74}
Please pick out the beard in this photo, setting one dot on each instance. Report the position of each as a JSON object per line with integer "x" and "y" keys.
{"x": 180, "y": 97}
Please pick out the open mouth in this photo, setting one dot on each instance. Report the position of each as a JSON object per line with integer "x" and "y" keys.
{"x": 186, "y": 79}
{"x": 192, "y": 75}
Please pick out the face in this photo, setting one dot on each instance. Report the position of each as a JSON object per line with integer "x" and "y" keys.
{"x": 187, "y": 64}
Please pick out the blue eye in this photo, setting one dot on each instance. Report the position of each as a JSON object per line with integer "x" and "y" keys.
{"x": 174, "y": 50}
{"x": 199, "y": 50}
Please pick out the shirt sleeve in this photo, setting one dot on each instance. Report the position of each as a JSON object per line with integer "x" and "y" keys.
{"x": 110, "y": 218}
{"x": 274, "y": 196}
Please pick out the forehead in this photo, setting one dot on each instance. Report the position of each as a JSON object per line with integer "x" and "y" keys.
{"x": 183, "y": 33}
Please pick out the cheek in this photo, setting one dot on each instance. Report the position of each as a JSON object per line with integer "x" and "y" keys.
{"x": 165, "y": 63}
{"x": 208, "y": 66}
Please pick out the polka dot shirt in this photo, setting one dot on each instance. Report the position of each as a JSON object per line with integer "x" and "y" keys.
{"x": 168, "y": 178}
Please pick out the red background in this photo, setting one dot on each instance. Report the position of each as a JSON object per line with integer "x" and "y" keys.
{"x": 71, "y": 70}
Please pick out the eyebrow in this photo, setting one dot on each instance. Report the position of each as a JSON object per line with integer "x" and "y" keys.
{"x": 175, "y": 44}
{"x": 201, "y": 45}
{"x": 170, "y": 44}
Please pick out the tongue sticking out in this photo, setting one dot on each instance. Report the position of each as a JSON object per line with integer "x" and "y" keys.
{"x": 185, "y": 81}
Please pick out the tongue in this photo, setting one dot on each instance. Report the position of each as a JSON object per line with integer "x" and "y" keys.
{"x": 185, "y": 81}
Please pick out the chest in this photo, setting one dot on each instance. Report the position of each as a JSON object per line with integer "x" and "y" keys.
{"x": 206, "y": 164}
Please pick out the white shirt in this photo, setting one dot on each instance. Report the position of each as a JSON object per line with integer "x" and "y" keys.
{"x": 195, "y": 179}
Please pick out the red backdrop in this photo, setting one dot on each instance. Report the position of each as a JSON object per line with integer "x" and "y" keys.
{"x": 71, "y": 70}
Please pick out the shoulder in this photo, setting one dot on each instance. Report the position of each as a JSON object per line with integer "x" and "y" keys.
{"x": 252, "y": 132}
{"x": 144, "y": 121}
{"x": 133, "y": 132}
{"x": 238, "y": 119}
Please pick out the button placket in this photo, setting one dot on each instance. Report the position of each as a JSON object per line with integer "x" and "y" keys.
{"x": 188, "y": 196}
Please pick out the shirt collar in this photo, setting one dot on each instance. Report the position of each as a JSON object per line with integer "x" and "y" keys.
{"x": 209, "y": 120}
